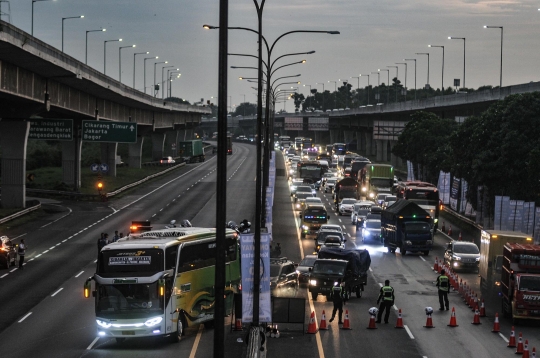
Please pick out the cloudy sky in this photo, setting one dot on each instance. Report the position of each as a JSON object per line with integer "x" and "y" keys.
{"x": 374, "y": 34}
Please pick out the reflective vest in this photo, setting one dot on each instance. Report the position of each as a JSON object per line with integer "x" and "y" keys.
{"x": 443, "y": 283}
{"x": 387, "y": 293}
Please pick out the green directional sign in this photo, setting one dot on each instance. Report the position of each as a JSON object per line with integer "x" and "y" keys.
{"x": 51, "y": 129}
{"x": 114, "y": 132}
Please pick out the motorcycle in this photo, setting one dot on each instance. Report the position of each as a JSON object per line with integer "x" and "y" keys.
{"x": 172, "y": 224}
{"x": 243, "y": 228}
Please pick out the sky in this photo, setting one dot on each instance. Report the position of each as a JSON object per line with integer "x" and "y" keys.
{"x": 373, "y": 35}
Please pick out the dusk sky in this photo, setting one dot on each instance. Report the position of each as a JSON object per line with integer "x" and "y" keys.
{"x": 374, "y": 34}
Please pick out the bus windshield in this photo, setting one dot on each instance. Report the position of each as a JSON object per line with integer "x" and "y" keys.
{"x": 310, "y": 170}
{"x": 315, "y": 216}
{"x": 141, "y": 298}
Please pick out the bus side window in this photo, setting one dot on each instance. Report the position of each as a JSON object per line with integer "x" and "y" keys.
{"x": 170, "y": 257}
{"x": 193, "y": 257}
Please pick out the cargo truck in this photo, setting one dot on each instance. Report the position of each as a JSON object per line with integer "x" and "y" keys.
{"x": 406, "y": 226}
{"x": 191, "y": 150}
{"x": 520, "y": 282}
{"x": 346, "y": 188}
{"x": 379, "y": 179}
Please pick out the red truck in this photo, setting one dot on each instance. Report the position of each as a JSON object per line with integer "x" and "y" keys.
{"x": 520, "y": 281}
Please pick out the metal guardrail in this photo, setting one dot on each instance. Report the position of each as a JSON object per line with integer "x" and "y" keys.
{"x": 20, "y": 213}
{"x": 256, "y": 345}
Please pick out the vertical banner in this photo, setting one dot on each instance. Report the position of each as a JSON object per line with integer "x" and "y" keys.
{"x": 536, "y": 233}
{"x": 516, "y": 215}
{"x": 410, "y": 171}
{"x": 454, "y": 194}
{"x": 247, "y": 251}
{"x": 444, "y": 187}
{"x": 528, "y": 218}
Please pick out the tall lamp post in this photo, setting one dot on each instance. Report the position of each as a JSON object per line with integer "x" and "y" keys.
{"x": 404, "y": 63}
{"x": 387, "y": 84}
{"x": 397, "y": 79}
{"x": 171, "y": 80}
{"x": 144, "y": 65}
{"x": 163, "y": 83}
{"x": 86, "y": 52}
{"x": 309, "y": 94}
{"x": 413, "y": 59}
{"x": 65, "y": 18}
{"x": 321, "y": 83}
{"x": 378, "y": 85}
{"x": 105, "y": 54}
{"x": 367, "y": 87}
{"x": 335, "y": 92}
{"x": 134, "y": 57}
{"x": 357, "y": 88}
{"x": 442, "y": 76}
{"x": 498, "y": 27}
{"x": 120, "y": 61}
{"x": 427, "y": 84}
{"x": 244, "y": 104}
{"x": 461, "y": 38}
{"x": 155, "y": 64}
{"x": 34, "y": 1}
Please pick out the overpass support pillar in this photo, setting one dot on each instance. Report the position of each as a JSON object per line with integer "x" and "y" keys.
{"x": 361, "y": 143}
{"x": 135, "y": 153}
{"x": 334, "y": 136}
{"x": 370, "y": 145}
{"x": 71, "y": 162}
{"x": 394, "y": 160}
{"x": 181, "y": 136}
{"x": 13, "y": 139}
{"x": 158, "y": 142}
{"x": 171, "y": 141}
{"x": 347, "y": 136}
{"x": 108, "y": 156}
{"x": 381, "y": 150}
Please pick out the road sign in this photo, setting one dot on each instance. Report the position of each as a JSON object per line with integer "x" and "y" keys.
{"x": 104, "y": 131}
{"x": 51, "y": 129}
{"x": 104, "y": 167}
{"x": 94, "y": 168}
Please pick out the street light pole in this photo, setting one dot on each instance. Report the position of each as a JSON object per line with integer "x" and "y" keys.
{"x": 413, "y": 59}
{"x": 105, "y": 54}
{"x": 86, "y": 52}
{"x": 357, "y": 88}
{"x": 244, "y": 104}
{"x": 461, "y": 38}
{"x": 157, "y": 63}
{"x": 425, "y": 53}
{"x": 387, "y": 84}
{"x": 442, "y": 78}
{"x": 498, "y": 27}
{"x": 33, "y": 1}
{"x": 162, "y": 83}
{"x": 120, "y": 61}
{"x": 397, "y": 79}
{"x": 144, "y": 65}
{"x": 378, "y": 85}
{"x": 65, "y": 18}
{"x": 367, "y": 87}
{"x": 309, "y": 91}
{"x": 321, "y": 83}
{"x": 404, "y": 63}
{"x": 335, "y": 90}
{"x": 134, "y": 56}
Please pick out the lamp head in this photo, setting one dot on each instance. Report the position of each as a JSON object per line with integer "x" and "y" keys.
{"x": 147, "y": 52}
{"x": 303, "y": 61}
{"x": 485, "y": 27}
{"x": 103, "y": 30}
{"x": 134, "y": 46}
{"x": 82, "y": 16}
{"x": 428, "y": 45}
{"x": 166, "y": 61}
{"x": 310, "y": 52}
{"x": 333, "y": 32}
{"x": 157, "y": 57}
{"x": 240, "y": 78}
{"x": 120, "y": 40}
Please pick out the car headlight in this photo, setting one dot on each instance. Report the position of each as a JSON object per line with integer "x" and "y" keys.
{"x": 291, "y": 171}
{"x": 408, "y": 242}
{"x": 436, "y": 220}
{"x": 364, "y": 189}
{"x": 371, "y": 195}
{"x": 313, "y": 282}
{"x": 366, "y": 233}
{"x": 457, "y": 258}
{"x": 297, "y": 205}
{"x": 293, "y": 187}
{"x": 304, "y": 227}
{"x": 429, "y": 242}
{"x": 153, "y": 321}
{"x": 103, "y": 323}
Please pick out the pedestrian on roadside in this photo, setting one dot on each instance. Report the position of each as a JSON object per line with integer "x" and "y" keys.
{"x": 443, "y": 288}
{"x": 107, "y": 239}
{"x": 121, "y": 235}
{"x": 101, "y": 242}
{"x": 21, "y": 252}
{"x": 339, "y": 297}
{"x": 386, "y": 298}
{"x": 115, "y": 237}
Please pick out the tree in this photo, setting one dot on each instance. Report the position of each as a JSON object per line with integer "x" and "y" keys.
{"x": 245, "y": 109}
{"x": 298, "y": 100}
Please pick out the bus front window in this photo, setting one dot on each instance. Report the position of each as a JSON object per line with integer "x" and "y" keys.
{"x": 129, "y": 298}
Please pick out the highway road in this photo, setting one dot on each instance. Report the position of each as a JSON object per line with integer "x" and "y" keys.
{"x": 43, "y": 312}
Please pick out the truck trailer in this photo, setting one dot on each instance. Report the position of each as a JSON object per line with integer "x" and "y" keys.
{"x": 191, "y": 150}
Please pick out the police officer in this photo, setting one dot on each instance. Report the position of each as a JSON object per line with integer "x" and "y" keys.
{"x": 443, "y": 286}
{"x": 339, "y": 297}
{"x": 386, "y": 298}
{"x": 21, "y": 251}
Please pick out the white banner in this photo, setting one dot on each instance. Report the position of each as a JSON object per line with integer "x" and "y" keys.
{"x": 318, "y": 124}
{"x": 294, "y": 123}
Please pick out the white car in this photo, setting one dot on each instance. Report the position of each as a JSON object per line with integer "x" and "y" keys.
{"x": 331, "y": 227}
{"x": 372, "y": 231}
{"x": 330, "y": 183}
{"x": 360, "y": 210}
{"x": 346, "y": 206}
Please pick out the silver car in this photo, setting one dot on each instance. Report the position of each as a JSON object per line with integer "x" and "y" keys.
{"x": 371, "y": 231}
{"x": 346, "y": 206}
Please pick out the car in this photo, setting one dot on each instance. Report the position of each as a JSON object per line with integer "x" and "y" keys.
{"x": 321, "y": 237}
{"x": 290, "y": 156}
{"x": 360, "y": 210}
{"x": 331, "y": 227}
{"x": 380, "y": 198}
{"x": 371, "y": 231}
{"x": 330, "y": 183}
{"x": 462, "y": 255}
{"x": 167, "y": 160}
{"x": 388, "y": 199}
{"x": 303, "y": 269}
{"x": 334, "y": 241}
{"x": 346, "y": 206}
{"x": 300, "y": 200}
{"x": 8, "y": 252}
{"x": 374, "y": 213}
{"x": 295, "y": 183}
{"x": 283, "y": 277}
{"x": 304, "y": 189}
{"x": 313, "y": 200}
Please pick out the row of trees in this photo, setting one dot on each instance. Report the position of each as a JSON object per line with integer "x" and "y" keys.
{"x": 498, "y": 150}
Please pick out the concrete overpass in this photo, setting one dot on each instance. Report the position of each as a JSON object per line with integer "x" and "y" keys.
{"x": 39, "y": 81}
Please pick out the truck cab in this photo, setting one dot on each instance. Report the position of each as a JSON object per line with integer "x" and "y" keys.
{"x": 324, "y": 275}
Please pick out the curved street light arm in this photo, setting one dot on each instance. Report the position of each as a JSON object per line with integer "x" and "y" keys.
{"x": 289, "y": 64}
{"x": 210, "y": 27}
{"x": 302, "y": 31}
{"x": 291, "y": 54}
{"x": 247, "y": 55}
{"x": 279, "y": 78}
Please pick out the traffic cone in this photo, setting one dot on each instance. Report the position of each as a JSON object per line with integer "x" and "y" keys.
{"x": 238, "y": 324}
{"x": 453, "y": 322}
{"x": 526, "y": 349}
{"x": 429, "y": 322}
{"x": 323, "y": 322}
{"x": 512, "y": 340}
{"x": 399, "y": 323}
{"x": 519, "y": 348}
{"x": 371, "y": 324}
{"x": 436, "y": 265}
{"x": 475, "y": 303}
{"x": 476, "y": 319}
{"x": 312, "y": 328}
{"x": 496, "y": 326}
{"x": 450, "y": 231}
{"x": 346, "y": 323}
{"x": 533, "y": 355}
{"x": 459, "y": 237}
{"x": 460, "y": 290}
{"x": 482, "y": 309}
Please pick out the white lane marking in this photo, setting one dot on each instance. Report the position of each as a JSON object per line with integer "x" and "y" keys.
{"x": 64, "y": 240}
{"x": 408, "y": 331}
{"x": 154, "y": 215}
{"x": 92, "y": 344}
{"x": 54, "y": 294}
{"x": 80, "y": 273}
{"x": 14, "y": 269}
{"x": 370, "y": 269}
{"x": 16, "y": 237}
{"x": 95, "y": 261}
{"x": 161, "y": 209}
{"x": 349, "y": 234}
{"x": 60, "y": 218}
{"x": 25, "y": 317}
{"x": 196, "y": 343}
{"x": 50, "y": 248}
{"x": 114, "y": 210}
{"x": 380, "y": 284}
{"x": 503, "y": 337}
{"x": 44, "y": 252}
{"x": 339, "y": 220}
{"x": 4, "y": 275}
{"x": 395, "y": 308}
{"x": 421, "y": 258}
{"x": 38, "y": 255}
{"x": 344, "y": 227}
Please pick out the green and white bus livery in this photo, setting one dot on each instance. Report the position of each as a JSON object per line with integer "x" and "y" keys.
{"x": 159, "y": 282}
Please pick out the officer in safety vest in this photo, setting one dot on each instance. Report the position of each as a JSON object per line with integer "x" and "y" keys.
{"x": 339, "y": 297}
{"x": 444, "y": 286}
{"x": 386, "y": 298}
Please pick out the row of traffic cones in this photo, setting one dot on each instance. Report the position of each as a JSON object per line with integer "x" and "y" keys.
{"x": 449, "y": 232}
{"x": 312, "y": 327}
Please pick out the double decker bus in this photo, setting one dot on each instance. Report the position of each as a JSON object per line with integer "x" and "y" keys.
{"x": 298, "y": 142}
{"x": 284, "y": 141}
{"x": 307, "y": 143}
{"x": 339, "y": 149}
{"x": 159, "y": 282}
{"x": 309, "y": 170}
{"x": 426, "y": 195}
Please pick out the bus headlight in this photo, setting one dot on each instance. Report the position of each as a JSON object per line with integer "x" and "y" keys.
{"x": 364, "y": 189}
{"x": 153, "y": 321}
{"x": 304, "y": 227}
{"x": 371, "y": 195}
{"x": 313, "y": 282}
{"x": 103, "y": 323}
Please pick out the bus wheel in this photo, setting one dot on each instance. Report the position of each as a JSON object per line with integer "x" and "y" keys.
{"x": 120, "y": 340}
{"x": 177, "y": 336}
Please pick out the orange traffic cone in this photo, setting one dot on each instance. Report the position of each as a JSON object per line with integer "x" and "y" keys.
{"x": 450, "y": 231}
{"x": 371, "y": 324}
{"x": 519, "y": 348}
{"x": 459, "y": 237}
{"x": 436, "y": 266}
{"x": 512, "y": 340}
{"x": 526, "y": 349}
{"x": 482, "y": 309}
{"x": 399, "y": 323}
{"x": 238, "y": 324}
{"x": 312, "y": 328}
{"x": 346, "y": 323}
{"x": 476, "y": 319}
{"x": 323, "y": 322}
{"x": 453, "y": 322}
{"x": 496, "y": 326}
{"x": 429, "y": 322}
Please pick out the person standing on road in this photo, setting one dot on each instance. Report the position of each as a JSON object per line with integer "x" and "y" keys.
{"x": 386, "y": 298}
{"x": 21, "y": 252}
{"x": 115, "y": 237}
{"x": 444, "y": 287}
{"x": 102, "y": 242}
{"x": 339, "y": 297}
